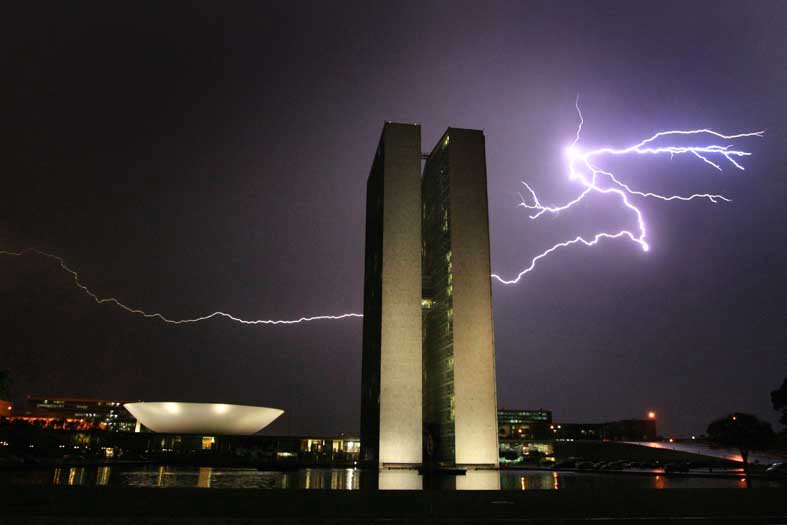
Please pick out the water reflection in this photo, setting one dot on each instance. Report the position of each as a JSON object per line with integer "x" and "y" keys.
{"x": 102, "y": 476}
{"x": 354, "y": 479}
{"x": 203, "y": 481}
{"x": 659, "y": 482}
{"x": 76, "y": 476}
{"x": 550, "y": 482}
{"x": 73, "y": 476}
{"x": 399, "y": 479}
{"x": 546, "y": 480}
{"x": 479, "y": 480}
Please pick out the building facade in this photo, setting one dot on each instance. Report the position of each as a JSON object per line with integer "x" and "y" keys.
{"x": 525, "y": 435}
{"x": 525, "y": 424}
{"x": 460, "y": 395}
{"x": 391, "y": 423}
{"x": 77, "y": 413}
{"x": 428, "y": 383}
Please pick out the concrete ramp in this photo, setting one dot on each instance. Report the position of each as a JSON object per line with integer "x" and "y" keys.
{"x": 704, "y": 449}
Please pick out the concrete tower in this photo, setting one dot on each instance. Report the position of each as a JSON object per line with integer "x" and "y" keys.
{"x": 460, "y": 395}
{"x": 391, "y": 422}
{"x": 428, "y": 343}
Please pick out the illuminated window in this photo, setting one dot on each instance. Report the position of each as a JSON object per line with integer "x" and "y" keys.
{"x": 207, "y": 442}
{"x": 313, "y": 445}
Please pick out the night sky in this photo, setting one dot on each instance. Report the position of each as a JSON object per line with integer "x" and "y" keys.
{"x": 187, "y": 158}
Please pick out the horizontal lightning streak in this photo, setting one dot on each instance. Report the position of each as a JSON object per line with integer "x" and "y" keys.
{"x": 147, "y": 315}
{"x": 575, "y": 157}
{"x": 579, "y": 166}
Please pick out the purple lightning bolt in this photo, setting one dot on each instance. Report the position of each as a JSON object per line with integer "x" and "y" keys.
{"x": 161, "y": 317}
{"x": 582, "y": 168}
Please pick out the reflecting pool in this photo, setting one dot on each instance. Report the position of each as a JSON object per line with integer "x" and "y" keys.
{"x": 355, "y": 479}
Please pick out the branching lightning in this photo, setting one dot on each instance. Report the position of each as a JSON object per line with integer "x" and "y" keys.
{"x": 582, "y": 168}
{"x": 161, "y": 317}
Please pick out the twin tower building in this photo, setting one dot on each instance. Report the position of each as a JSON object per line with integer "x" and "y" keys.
{"x": 429, "y": 392}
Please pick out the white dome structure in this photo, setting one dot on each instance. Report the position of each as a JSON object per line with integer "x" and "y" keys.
{"x": 168, "y": 417}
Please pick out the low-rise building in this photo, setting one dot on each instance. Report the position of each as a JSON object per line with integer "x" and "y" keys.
{"x": 524, "y": 435}
{"x": 528, "y": 436}
{"x": 77, "y": 413}
{"x": 623, "y": 430}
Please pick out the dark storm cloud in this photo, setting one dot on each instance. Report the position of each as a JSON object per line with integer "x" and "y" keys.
{"x": 194, "y": 157}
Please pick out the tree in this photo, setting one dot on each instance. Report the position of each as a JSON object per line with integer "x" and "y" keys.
{"x": 779, "y": 400}
{"x": 742, "y": 431}
{"x": 5, "y": 385}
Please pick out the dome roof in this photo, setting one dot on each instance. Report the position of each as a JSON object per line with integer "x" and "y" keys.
{"x": 171, "y": 417}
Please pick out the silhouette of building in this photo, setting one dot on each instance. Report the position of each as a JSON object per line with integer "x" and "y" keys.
{"x": 623, "y": 430}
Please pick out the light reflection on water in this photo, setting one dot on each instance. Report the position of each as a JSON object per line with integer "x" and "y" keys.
{"x": 243, "y": 478}
{"x": 354, "y": 479}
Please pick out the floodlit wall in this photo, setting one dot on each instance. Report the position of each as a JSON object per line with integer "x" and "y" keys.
{"x": 475, "y": 392}
{"x": 391, "y": 426}
{"x": 474, "y": 348}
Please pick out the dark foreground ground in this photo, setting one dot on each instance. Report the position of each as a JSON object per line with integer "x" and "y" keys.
{"x": 98, "y": 505}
